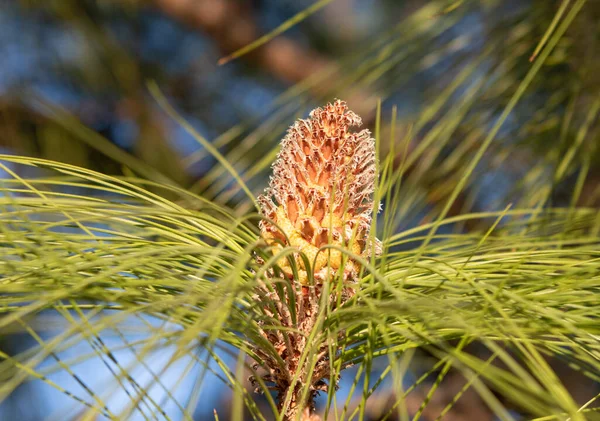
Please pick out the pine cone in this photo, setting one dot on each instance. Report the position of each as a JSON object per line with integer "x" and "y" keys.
{"x": 321, "y": 193}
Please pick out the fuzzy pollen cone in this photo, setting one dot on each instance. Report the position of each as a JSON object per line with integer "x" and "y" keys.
{"x": 321, "y": 193}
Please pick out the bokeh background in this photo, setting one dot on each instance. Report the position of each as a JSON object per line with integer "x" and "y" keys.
{"x": 78, "y": 83}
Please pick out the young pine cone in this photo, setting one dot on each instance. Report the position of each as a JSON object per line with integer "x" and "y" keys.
{"x": 321, "y": 193}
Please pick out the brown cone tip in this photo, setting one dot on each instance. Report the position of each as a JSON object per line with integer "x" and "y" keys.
{"x": 321, "y": 191}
